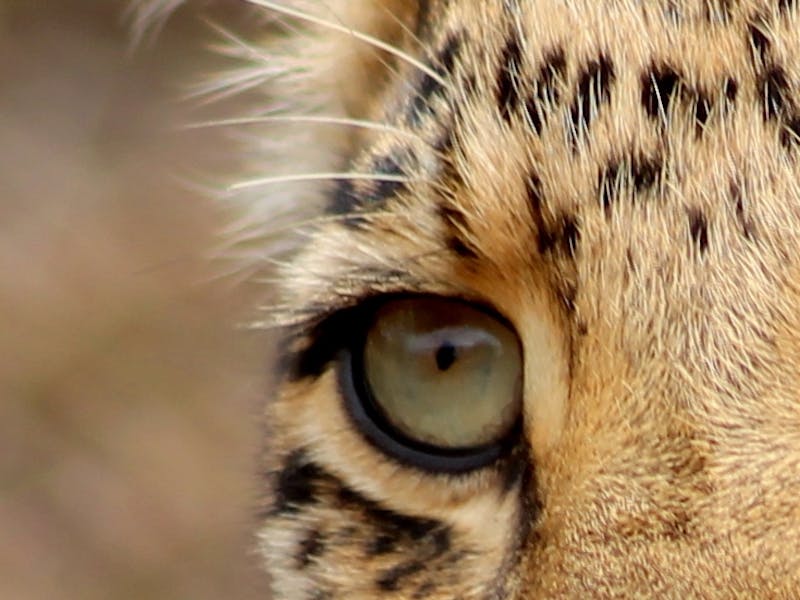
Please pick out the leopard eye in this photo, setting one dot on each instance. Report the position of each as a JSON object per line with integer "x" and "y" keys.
{"x": 437, "y": 383}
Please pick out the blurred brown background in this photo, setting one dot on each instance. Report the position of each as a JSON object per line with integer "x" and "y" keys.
{"x": 129, "y": 400}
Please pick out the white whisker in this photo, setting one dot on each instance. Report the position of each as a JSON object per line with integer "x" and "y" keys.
{"x": 373, "y": 41}
{"x": 252, "y": 183}
{"x": 236, "y": 41}
{"x": 360, "y": 123}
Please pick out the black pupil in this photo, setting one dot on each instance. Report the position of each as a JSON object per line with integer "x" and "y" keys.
{"x": 445, "y": 356}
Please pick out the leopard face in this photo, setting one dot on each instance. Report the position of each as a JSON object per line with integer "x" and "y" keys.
{"x": 543, "y": 338}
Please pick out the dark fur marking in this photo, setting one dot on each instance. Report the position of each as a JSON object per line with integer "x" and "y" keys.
{"x": 774, "y": 87}
{"x": 296, "y": 483}
{"x": 564, "y": 237}
{"x": 759, "y": 41}
{"x": 444, "y": 143}
{"x": 568, "y": 296}
{"x": 383, "y": 543}
{"x": 460, "y": 247}
{"x": 344, "y": 201}
{"x": 582, "y": 327}
{"x": 380, "y": 190}
{"x": 389, "y": 580}
{"x": 424, "y": 590}
{"x": 546, "y": 92}
{"x": 311, "y": 547}
{"x": 698, "y": 228}
{"x": 702, "y": 108}
{"x": 545, "y": 239}
{"x": 440, "y": 544}
{"x": 570, "y": 235}
{"x": 790, "y": 134}
{"x": 456, "y": 224}
{"x": 644, "y": 173}
{"x": 731, "y": 89}
{"x": 515, "y": 470}
{"x": 608, "y": 182}
{"x": 325, "y": 340}
{"x": 508, "y": 76}
{"x": 659, "y": 85}
{"x": 748, "y": 228}
{"x": 388, "y": 521}
{"x": 786, "y": 5}
{"x": 525, "y": 532}
{"x": 443, "y": 63}
{"x": 594, "y": 89}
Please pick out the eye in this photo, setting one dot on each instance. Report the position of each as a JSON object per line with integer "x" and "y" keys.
{"x": 436, "y": 383}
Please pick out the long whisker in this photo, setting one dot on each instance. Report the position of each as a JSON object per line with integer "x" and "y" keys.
{"x": 253, "y": 183}
{"x": 238, "y": 41}
{"x": 360, "y": 123}
{"x": 356, "y": 34}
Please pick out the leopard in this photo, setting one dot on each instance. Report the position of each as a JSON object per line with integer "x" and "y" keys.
{"x": 538, "y": 297}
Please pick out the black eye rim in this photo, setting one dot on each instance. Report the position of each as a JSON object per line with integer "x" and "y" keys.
{"x": 375, "y": 427}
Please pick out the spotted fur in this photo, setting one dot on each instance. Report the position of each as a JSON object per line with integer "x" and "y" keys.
{"x": 620, "y": 180}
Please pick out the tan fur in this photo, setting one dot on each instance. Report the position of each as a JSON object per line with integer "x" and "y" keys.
{"x": 662, "y": 342}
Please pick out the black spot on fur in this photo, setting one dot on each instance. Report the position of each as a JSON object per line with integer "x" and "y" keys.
{"x": 324, "y": 342}
{"x": 731, "y": 89}
{"x": 748, "y": 228}
{"x": 774, "y": 86}
{"x": 759, "y": 41}
{"x": 786, "y": 5}
{"x": 731, "y": 93}
{"x": 641, "y": 171}
{"x": 660, "y": 84}
{"x": 349, "y": 196}
{"x": 570, "y": 235}
{"x": 702, "y": 108}
{"x": 311, "y": 547}
{"x": 296, "y": 483}
{"x": 429, "y": 86}
{"x": 380, "y": 190}
{"x": 424, "y": 590}
{"x": 457, "y": 231}
{"x": 389, "y": 579}
{"x": 545, "y": 240}
{"x": 594, "y": 89}
{"x": 563, "y": 238}
{"x": 581, "y": 327}
{"x": 546, "y": 92}
{"x": 514, "y": 472}
{"x": 790, "y": 134}
{"x": 568, "y": 295}
{"x": 344, "y": 198}
{"x": 698, "y": 228}
{"x": 508, "y": 76}
{"x": 382, "y": 544}
{"x": 387, "y": 521}
{"x": 609, "y": 183}
{"x": 460, "y": 247}
{"x": 544, "y": 237}
{"x": 444, "y": 142}
{"x": 646, "y": 171}
{"x": 445, "y": 59}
